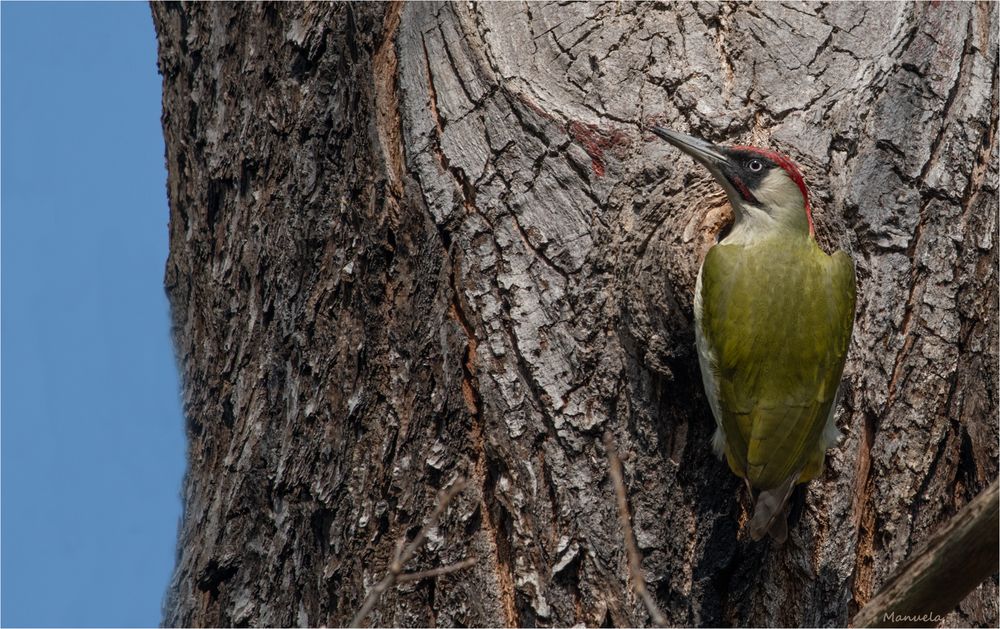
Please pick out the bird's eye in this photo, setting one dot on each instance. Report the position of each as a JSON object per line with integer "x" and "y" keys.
{"x": 755, "y": 165}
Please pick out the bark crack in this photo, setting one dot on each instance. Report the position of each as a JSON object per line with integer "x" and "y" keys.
{"x": 916, "y": 279}
{"x": 863, "y": 515}
{"x": 388, "y": 122}
{"x": 537, "y": 251}
{"x": 484, "y": 474}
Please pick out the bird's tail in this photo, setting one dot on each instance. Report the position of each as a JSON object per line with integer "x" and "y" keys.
{"x": 770, "y": 512}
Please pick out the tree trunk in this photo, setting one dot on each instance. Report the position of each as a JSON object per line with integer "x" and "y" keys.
{"x": 413, "y": 242}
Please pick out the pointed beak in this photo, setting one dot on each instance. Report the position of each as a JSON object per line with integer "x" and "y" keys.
{"x": 705, "y": 152}
{"x": 712, "y": 157}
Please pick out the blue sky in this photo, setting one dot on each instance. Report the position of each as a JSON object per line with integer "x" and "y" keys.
{"x": 92, "y": 437}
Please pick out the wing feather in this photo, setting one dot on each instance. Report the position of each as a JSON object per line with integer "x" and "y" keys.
{"x": 776, "y": 322}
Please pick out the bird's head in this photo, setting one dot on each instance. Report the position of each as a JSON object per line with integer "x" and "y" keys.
{"x": 765, "y": 188}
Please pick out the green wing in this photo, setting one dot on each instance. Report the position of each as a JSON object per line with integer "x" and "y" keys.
{"x": 776, "y": 318}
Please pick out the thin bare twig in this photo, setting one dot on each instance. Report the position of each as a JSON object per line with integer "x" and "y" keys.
{"x": 631, "y": 550}
{"x": 436, "y": 572}
{"x": 405, "y": 552}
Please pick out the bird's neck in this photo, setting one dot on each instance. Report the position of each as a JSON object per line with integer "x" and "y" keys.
{"x": 754, "y": 223}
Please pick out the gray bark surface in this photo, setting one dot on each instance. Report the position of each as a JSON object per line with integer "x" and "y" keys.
{"x": 422, "y": 241}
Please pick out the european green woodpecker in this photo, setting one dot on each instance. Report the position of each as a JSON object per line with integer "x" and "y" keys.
{"x": 773, "y": 318}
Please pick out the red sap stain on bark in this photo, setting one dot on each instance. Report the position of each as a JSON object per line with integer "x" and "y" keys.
{"x": 596, "y": 140}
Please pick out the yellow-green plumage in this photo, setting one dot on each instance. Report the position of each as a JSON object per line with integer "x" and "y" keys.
{"x": 774, "y": 326}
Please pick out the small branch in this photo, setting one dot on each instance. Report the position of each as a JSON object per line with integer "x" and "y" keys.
{"x": 631, "y": 550}
{"x": 405, "y": 552}
{"x": 436, "y": 572}
{"x": 942, "y": 572}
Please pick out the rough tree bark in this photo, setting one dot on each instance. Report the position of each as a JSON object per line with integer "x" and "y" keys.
{"x": 412, "y": 242}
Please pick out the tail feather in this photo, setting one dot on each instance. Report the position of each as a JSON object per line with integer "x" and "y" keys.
{"x": 770, "y": 511}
